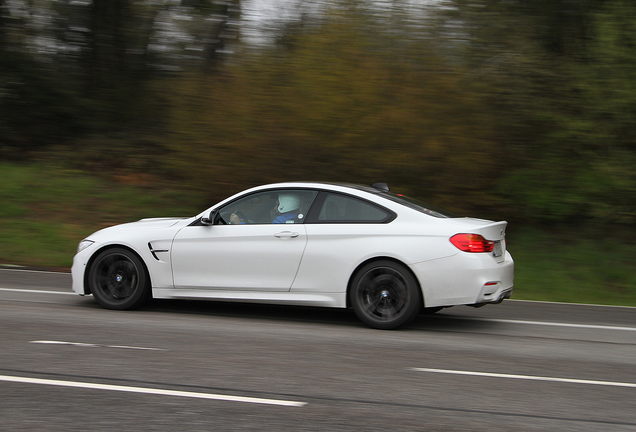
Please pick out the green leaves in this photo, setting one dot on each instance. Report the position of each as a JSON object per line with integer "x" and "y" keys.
{"x": 523, "y": 110}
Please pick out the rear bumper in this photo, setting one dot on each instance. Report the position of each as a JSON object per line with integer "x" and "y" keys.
{"x": 496, "y": 297}
{"x": 465, "y": 279}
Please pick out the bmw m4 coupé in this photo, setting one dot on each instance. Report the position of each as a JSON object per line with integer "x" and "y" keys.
{"x": 384, "y": 255}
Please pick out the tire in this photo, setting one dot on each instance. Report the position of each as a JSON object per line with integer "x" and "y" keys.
{"x": 119, "y": 280}
{"x": 385, "y": 295}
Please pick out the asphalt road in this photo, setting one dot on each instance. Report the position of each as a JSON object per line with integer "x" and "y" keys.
{"x": 68, "y": 365}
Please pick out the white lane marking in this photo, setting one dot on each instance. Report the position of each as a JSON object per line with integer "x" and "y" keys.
{"x": 80, "y": 344}
{"x": 38, "y": 291}
{"x": 152, "y": 391}
{"x": 553, "y": 324}
{"x": 34, "y": 271}
{"x": 569, "y": 304}
{"x": 527, "y": 377}
{"x": 541, "y": 323}
{"x": 19, "y": 268}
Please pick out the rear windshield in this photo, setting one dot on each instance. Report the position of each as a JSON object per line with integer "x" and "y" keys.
{"x": 416, "y": 205}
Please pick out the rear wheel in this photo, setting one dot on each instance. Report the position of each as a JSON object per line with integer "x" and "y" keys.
{"x": 385, "y": 295}
{"x": 118, "y": 279}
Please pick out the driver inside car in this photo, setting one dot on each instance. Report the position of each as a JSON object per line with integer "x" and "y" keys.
{"x": 287, "y": 207}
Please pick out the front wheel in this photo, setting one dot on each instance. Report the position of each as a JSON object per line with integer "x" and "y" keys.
{"x": 118, "y": 279}
{"x": 385, "y": 295}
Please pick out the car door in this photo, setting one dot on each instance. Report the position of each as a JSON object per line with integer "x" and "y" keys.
{"x": 255, "y": 254}
{"x": 342, "y": 231}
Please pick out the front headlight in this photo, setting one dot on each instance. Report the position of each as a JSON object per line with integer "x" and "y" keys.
{"x": 84, "y": 244}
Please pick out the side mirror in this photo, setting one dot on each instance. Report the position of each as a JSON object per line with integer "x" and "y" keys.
{"x": 209, "y": 220}
{"x": 206, "y": 220}
{"x": 213, "y": 219}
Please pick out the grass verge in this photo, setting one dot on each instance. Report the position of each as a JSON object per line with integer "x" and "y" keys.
{"x": 45, "y": 211}
{"x": 567, "y": 266}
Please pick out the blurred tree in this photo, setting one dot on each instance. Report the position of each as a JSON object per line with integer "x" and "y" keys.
{"x": 339, "y": 97}
{"x": 604, "y": 123}
{"x": 557, "y": 79}
{"x": 4, "y": 25}
{"x": 76, "y": 68}
{"x": 37, "y": 106}
{"x": 482, "y": 106}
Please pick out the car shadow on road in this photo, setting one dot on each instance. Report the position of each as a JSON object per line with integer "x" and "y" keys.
{"x": 447, "y": 321}
{"x": 255, "y": 311}
{"x": 444, "y": 320}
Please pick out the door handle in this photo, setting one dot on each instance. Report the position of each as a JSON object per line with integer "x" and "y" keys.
{"x": 286, "y": 234}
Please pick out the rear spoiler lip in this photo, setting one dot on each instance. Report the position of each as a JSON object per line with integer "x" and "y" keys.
{"x": 488, "y": 229}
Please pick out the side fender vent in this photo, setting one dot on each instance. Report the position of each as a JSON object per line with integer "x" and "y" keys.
{"x": 154, "y": 251}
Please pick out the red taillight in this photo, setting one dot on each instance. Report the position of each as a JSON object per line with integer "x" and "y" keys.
{"x": 472, "y": 243}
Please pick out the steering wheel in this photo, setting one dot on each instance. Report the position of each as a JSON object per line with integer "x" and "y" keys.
{"x": 241, "y": 215}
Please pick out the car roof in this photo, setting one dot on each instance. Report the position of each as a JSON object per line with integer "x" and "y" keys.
{"x": 318, "y": 184}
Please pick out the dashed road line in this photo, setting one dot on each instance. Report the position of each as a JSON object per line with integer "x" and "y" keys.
{"x": 91, "y": 345}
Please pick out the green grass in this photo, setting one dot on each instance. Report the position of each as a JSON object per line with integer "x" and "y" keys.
{"x": 565, "y": 267}
{"x": 45, "y": 211}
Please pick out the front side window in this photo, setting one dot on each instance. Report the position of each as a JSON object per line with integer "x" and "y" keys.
{"x": 273, "y": 206}
{"x": 338, "y": 208}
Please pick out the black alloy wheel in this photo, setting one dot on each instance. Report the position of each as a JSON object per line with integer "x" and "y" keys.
{"x": 385, "y": 295}
{"x": 118, "y": 279}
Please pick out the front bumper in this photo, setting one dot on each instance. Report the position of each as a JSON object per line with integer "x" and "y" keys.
{"x": 78, "y": 270}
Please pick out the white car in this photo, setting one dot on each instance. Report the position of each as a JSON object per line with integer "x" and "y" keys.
{"x": 324, "y": 244}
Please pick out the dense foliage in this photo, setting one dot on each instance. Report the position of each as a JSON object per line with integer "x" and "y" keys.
{"x": 524, "y": 110}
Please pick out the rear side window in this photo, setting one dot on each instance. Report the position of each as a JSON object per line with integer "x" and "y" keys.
{"x": 416, "y": 205}
{"x": 339, "y": 208}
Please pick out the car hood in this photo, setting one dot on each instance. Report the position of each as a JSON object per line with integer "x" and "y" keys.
{"x": 142, "y": 225}
{"x": 149, "y": 223}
